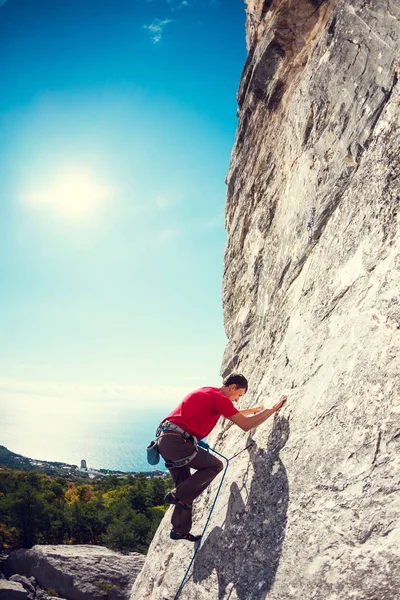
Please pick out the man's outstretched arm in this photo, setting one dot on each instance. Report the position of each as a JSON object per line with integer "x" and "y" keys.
{"x": 247, "y": 423}
{"x": 247, "y": 412}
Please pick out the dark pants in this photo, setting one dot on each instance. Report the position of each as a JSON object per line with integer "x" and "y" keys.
{"x": 173, "y": 446}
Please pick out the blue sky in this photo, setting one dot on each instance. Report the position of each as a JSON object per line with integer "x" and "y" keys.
{"x": 117, "y": 120}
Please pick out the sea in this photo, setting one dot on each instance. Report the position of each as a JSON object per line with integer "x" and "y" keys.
{"x": 109, "y": 435}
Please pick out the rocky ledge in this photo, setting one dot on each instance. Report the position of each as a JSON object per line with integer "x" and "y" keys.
{"x": 69, "y": 572}
{"x": 19, "y": 587}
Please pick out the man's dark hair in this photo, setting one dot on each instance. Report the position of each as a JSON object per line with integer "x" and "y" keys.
{"x": 239, "y": 380}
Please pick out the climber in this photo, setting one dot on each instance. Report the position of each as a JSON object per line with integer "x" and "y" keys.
{"x": 177, "y": 436}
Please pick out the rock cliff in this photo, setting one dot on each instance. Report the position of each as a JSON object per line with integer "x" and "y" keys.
{"x": 311, "y": 303}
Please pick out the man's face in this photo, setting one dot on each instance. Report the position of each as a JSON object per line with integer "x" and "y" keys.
{"x": 235, "y": 393}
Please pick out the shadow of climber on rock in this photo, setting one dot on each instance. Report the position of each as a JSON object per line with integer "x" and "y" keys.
{"x": 245, "y": 551}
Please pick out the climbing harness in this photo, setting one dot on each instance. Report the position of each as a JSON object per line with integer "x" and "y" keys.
{"x": 205, "y": 446}
{"x": 168, "y": 427}
{"x": 153, "y": 455}
{"x": 177, "y": 464}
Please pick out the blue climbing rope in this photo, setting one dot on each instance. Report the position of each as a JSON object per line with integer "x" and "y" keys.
{"x": 207, "y": 447}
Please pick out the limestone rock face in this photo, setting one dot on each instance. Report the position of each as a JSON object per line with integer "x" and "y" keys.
{"x": 311, "y": 296}
{"x": 78, "y": 572}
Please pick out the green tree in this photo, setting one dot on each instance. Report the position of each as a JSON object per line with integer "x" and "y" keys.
{"x": 130, "y": 533}
{"x": 79, "y": 527}
{"x": 158, "y": 491}
{"x": 35, "y": 508}
{"x": 27, "y": 512}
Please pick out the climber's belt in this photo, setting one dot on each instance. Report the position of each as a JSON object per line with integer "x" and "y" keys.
{"x": 168, "y": 427}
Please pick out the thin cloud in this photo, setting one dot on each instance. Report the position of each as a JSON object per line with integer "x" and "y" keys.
{"x": 156, "y": 29}
{"x": 156, "y": 395}
{"x": 2, "y": 3}
{"x": 176, "y": 4}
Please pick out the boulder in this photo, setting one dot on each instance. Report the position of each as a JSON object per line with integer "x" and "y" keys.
{"x": 25, "y": 582}
{"x": 78, "y": 572}
{"x": 12, "y": 590}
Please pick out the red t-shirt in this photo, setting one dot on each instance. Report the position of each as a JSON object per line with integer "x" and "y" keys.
{"x": 199, "y": 412}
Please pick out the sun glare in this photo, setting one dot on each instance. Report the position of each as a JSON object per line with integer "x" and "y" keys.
{"x": 73, "y": 193}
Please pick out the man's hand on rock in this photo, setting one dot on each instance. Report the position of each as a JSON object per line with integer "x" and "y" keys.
{"x": 279, "y": 404}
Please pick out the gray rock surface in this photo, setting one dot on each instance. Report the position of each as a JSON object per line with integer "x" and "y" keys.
{"x": 12, "y": 590}
{"x": 33, "y": 589}
{"x": 311, "y": 297}
{"x": 25, "y": 582}
{"x": 78, "y": 572}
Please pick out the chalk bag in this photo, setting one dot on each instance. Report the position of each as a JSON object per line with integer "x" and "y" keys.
{"x": 153, "y": 455}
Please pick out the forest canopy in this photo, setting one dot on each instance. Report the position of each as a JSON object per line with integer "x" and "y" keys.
{"x": 120, "y": 513}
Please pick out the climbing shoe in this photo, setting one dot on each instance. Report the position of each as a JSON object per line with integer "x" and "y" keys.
{"x": 170, "y": 498}
{"x": 184, "y": 536}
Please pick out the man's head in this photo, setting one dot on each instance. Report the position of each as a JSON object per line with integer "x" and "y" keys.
{"x": 235, "y": 386}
